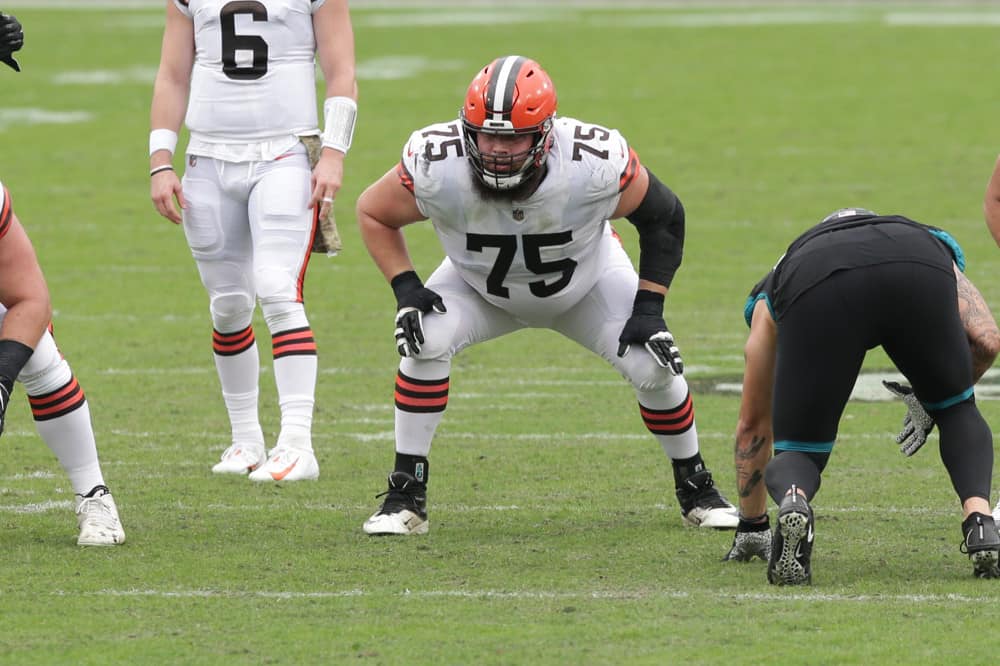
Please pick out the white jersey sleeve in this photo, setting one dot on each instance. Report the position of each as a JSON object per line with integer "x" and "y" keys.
{"x": 537, "y": 257}
{"x": 254, "y": 74}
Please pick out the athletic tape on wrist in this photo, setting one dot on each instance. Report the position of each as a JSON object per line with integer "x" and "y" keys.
{"x": 339, "y": 114}
{"x": 162, "y": 139}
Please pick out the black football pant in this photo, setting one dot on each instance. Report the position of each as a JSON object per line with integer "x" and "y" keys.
{"x": 911, "y": 310}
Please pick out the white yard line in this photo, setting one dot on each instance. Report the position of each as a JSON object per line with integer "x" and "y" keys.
{"x": 487, "y": 594}
{"x": 441, "y": 508}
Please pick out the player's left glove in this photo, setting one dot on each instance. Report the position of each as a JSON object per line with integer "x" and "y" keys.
{"x": 11, "y": 40}
{"x": 413, "y": 300}
{"x": 753, "y": 539}
{"x": 916, "y": 425}
{"x": 647, "y": 327}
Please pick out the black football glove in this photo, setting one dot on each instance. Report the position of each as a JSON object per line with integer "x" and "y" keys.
{"x": 917, "y": 423}
{"x": 413, "y": 300}
{"x": 647, "y": 327}
{"x": 751, "y": 540}
{"x": 11, "y": 40}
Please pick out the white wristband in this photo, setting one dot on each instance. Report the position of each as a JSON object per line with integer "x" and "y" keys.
{"x": 162, "y": 139}
{"x": 339, "y": 114}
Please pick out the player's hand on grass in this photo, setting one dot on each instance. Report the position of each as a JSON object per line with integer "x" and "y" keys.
{"x": 752, "y": 539}
{"x": 917, "y": 423}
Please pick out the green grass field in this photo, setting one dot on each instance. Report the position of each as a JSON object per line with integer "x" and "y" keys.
{"x": 555, "y": 537}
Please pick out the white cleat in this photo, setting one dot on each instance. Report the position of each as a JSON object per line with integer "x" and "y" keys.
{"x": 404, "y": 510}
{"x": 404, "y": 522}
{"x": 702, "y": 505}
{"x": 287, "y": 464}
{"x": 97, "y": 517}
{"x": 240, "y": 459}
{"x": 717, "y": 518}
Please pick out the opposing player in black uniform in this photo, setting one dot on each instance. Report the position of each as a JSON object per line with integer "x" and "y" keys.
{"x": 853, "y": 282}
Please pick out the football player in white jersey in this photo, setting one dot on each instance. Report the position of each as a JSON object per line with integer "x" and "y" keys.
{"x": 521, "y": 202}
{"x": 28, "y": 354}
{"x": 245, "y": 73}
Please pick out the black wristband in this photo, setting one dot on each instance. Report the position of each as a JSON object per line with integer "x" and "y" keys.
{"x": 161, "y": 168}
{"x": 13, "y": 356}
{"x": 648, "y": 303}
{"x": 405, "y": 283}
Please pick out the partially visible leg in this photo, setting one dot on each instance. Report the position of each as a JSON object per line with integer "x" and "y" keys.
{"x": 282, "y": 228}
{"x": 665, "y": 403}
{"x": 218, "y": 233}
{"x": 62, "y": 417}
{"x": 822, "y": 339}
{"x": 942, "y": 381}
{"x": 421, "y": 396}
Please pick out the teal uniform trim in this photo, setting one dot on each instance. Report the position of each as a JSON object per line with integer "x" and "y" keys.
{"x": 751, "y": 302}
{"x": 956, "y": 249}
{"x": 945, "y": 404}
{"x": 805, "y": 447}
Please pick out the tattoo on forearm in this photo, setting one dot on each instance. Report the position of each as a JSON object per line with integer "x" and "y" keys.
{"x": 746, "y": 480}
{"x": 746, "y": 489}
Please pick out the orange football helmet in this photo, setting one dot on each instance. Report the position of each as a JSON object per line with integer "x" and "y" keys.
{"x": 511, "y": 95}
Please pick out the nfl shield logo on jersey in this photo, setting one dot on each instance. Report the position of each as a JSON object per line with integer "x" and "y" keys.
{"x": 518, "y": 215}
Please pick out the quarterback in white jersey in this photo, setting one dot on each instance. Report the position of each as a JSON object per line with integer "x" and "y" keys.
{"x": 259, "y": 178}
{"x": 521, "y": 202}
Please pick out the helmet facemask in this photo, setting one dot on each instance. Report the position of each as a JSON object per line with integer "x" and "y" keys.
{"x": 503, "y": 171}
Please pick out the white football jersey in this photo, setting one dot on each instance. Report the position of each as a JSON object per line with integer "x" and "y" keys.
{"x": 533, "y": 258}
{"x": 254, "y": 74}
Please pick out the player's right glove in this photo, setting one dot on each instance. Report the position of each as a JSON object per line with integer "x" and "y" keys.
{"x": 11, "y": 39}
{"x": 751, "y": 540}
{"x": 916, "y": 425}
{"x": 413, "y": 300}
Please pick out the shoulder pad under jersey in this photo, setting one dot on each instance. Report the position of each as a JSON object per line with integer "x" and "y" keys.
{"x": 431, "y": 156}
{"x": 599, "y": 151}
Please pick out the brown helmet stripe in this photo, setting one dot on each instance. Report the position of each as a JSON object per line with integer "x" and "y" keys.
{"x": 500, "y": 90}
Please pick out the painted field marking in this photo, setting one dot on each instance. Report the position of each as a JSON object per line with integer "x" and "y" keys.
{"x": 619, "y": 595}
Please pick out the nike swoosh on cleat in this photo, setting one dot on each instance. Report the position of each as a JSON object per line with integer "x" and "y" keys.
{"x": 278, "y": 476}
